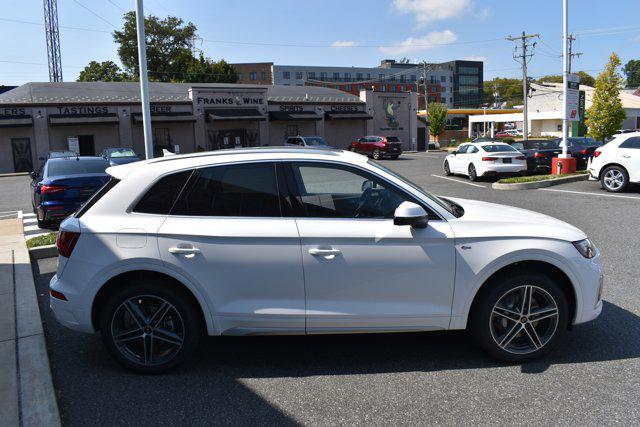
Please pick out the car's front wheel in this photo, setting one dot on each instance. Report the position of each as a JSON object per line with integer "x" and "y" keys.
{"x": 150, "y": 327}
{"x": 614, "y": 179}
{"x": 447, "y": 169}
{"x": 376, "y": 154}
{"x": 473, "y": 175}
{"x": 520, "y": 317}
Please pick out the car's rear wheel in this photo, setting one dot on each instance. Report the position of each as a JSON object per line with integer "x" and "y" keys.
{"x": 473, "y": 175}
{"x": 150, "y": 327}
{"x": 614, "y": 179}
{"x": 376, "y": 154}
{"x": 395, "y": 157}
{"x": 520, "y": 317}
{"x": 447, "y": 169}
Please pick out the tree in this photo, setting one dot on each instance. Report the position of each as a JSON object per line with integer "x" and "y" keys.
{"x": 437, "y": 118}
{"x": 203, "y": 69}
{"x": 632, "y": 71}
{"x": 606, "y": 114}
{"x": 585, "y": 79}
{"x": 106, "y": 71}
{"x": 503, "y": 90}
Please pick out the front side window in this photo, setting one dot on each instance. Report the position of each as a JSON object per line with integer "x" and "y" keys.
{"x": 337, "y": 191}
{"x": 244, "y": 190}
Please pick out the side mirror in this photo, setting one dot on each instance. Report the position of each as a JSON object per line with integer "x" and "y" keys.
{"x": 410, "y": 214}
{"x": 33, "y": 175}
{"x": 454, "y": 152}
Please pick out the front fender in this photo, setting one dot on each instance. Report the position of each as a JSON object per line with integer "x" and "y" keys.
{"x": 474, "y": 266}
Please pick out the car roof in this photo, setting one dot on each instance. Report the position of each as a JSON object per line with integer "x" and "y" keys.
{"x": 162, "y": 165}
{"x": 75, "y": 159}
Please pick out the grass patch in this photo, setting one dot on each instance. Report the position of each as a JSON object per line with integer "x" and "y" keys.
{"x": 45, "y": 239}
{"x": 535, "y": 178}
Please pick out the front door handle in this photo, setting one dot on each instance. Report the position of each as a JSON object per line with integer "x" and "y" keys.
{"x": 184, "y": 250}
{"x": 324, "y": 252}
{"x": 626, "y": 156}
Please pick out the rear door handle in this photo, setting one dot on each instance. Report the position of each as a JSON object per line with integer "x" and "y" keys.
{"x": 324, "y": 252}
{"x": 626, "y": 156}
{"x": 184, "y": 250}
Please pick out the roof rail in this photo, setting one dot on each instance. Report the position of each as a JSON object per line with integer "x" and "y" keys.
{"x": 251, "y": 150}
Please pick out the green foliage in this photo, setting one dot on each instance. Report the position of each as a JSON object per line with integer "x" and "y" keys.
{"x": 585, "y": 79}
{"x": 632, "y": 71}
{"x": 503, "y": 90}
{"x": 536, "y": 178}
{"x": 45, "y": 239}
{"x": 106, "y": 71}
{"x": 606, "y": 114}
{"x": 170, "y": 58}
{"x": 437, "y": 118}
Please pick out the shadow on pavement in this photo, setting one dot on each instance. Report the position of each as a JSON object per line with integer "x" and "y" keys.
{"x": 216, "y": 386}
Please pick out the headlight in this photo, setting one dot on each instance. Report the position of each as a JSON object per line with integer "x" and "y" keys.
{"x": 586, "y": 248}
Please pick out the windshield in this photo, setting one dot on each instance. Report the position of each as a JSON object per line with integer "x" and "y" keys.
{"x": 76, "y": 167}
{"x": 497, "y": 148}
{"x": 392, "y": 139}
{"x": 314, "y": 141}
{"x": 582, "y": 142}
{"x": 121, "y": 152}
{"x": 59, "y": 154}
{"x": 518, "y": 145}
{"x": 447, "y": 205}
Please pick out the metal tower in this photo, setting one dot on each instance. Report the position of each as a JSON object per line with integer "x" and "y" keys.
{"x": 53, "y": 40}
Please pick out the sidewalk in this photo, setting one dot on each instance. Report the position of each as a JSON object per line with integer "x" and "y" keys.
{"x": 27, "y": 397}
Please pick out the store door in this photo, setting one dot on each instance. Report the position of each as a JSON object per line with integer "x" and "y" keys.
{"x": 87, "y": 147}
{"x": 232, "y": 138}
{"x": 422, "y": 139}
{"x": 21, "y": 148}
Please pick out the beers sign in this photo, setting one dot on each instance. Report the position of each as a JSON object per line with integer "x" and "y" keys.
{"x": 13, "y": 111}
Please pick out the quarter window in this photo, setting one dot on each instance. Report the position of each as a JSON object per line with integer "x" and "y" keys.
{"x": 245, "y": 190}
{"x": 160, "y": 197}
{"x": 633, "y": 142}
{"x": 335, "y": 191}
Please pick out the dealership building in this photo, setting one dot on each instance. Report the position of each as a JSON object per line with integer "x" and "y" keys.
{"x": 88, "y": 117}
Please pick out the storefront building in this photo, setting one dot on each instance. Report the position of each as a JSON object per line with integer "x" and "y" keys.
{"x": 88, "y": 117}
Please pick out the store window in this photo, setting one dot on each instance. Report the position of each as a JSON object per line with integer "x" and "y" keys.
{"x": 299, "y": 75}
{"x": 162, "y": 137}
{"x": 347, "y": 88}
{"x": 291, "y": 130}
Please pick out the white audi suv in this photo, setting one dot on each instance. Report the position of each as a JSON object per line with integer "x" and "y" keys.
{"x": 308, "y": 241}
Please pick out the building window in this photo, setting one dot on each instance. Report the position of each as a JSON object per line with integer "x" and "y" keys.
{"x": 402, "y": 78}
{"x": 359, "y": 76}
{"x": 443, "y": 79}
{"x": 468, "y": 80}
{"x": 323, "y": 76}
{"x": 450, "y": 79}
{"x": 383, "y": 88}
{"x": 311, "y": 75}
{"x": 360, "y": 87}
{"x": 299, "y": 75}
{"x": 336, "y": 87}
{"x": 263, "y": 75}
{"x": 469, "y": 70}
{"x": 381, "y": 77}
{"x": 162, "y": 137}
{"x": 413, "y": 77}
{"x": 347, "y": 88}
{"x": 253, "y": 75}
{"x": 286, "y": 75}
{"x": 240, "y": 77}
{"x": 392, "y": 78}
{"x": 368, "y": 76}
{"x": 432, "y": 79}
{"x": 336, "y": 77}
{"x": 347, "y": 77}
{"x": 291, "y": 130}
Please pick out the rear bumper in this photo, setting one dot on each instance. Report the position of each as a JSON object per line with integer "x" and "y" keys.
{"x": 68, "y": 313}
{"x": 391, "y": 152}
{"x": 56, "y": 211}
{"x": 502, "y": 168}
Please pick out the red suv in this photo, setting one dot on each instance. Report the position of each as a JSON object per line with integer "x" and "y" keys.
{"x": 377, "y": 147}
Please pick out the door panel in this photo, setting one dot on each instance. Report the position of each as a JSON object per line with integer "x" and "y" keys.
{"x": 21, "y": 149}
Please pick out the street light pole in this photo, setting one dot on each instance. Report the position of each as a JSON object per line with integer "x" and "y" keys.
{"x": 565, "y": 76}
{"x": 144, "y": 83}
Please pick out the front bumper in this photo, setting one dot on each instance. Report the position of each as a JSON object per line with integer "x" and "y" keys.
{"x": 591, "y": 279}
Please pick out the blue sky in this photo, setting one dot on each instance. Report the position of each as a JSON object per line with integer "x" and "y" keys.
{"x": 343, "y": 32}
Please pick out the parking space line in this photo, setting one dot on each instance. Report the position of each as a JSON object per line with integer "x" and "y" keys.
{"x": 423, "y": 155}
{"x": 457, "y": 180}
{"x": 589, "y": 193}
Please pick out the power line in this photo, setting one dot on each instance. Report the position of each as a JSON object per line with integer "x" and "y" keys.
{"x": 94, "y": 13}
{"x": 523, "y": 58}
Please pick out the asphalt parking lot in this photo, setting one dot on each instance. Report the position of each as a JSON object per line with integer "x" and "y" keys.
{"x": 423, "y": 378}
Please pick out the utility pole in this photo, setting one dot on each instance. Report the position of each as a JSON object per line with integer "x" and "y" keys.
{"x": 523, "y": 59}
{"x": 144, "y": 81}
{"x": 53, "y": 40}
{"x": 565, "y": 76}
{"x": 571, "y": 54}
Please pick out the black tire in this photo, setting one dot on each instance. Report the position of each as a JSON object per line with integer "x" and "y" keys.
{"x": 376, "y": 154}
{"x": 395, "y": 157}
{"x": 485, "y": 323}
{"x": 473, "y": 175}
{"x": 614, "y": 179}
{"x": 181, "y": 320}
{"x": 43, "y": 224}
{"x": 352, "y": 149}
{"x": 447, "y": 169}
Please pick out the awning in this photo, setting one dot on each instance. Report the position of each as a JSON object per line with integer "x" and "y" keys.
{"x": 13, "y": 121}
{"x": 424, "y": 120}
{"x": 175, "y": 117}
{"x": 236, "y": 114}
{"x": 65, "y": 119}
{"x": 348, "y": 115}
{"x": 299, "y": 115}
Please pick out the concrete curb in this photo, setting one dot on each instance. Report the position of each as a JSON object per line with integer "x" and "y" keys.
{"x": 26, "y": 380}
{"x": 46, "y": 251}
{"x": 2, "y": 175}
{"x": 539, "y": 184}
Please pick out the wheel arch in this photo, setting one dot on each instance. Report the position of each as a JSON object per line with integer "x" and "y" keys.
{"x": 550, "y": 269}
{"x": 608, "y": 165}
{"x": 121, "y": 278}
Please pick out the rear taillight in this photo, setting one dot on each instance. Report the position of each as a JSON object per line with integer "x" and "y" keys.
{"x": 66, "y": 241}
{"x": 48, "y": 189}
{"x": 489, "y": 159}
{"x": 521, "y": 158}
{"x": 596, "y": 153}
{"x": 539, "y": 155}
{"x": 584, "y": 152}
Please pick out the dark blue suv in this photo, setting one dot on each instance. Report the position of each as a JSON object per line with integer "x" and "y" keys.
{"x": 66, "y": 183}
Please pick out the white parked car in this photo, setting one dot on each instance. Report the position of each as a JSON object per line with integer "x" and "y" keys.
{"x": 617, "y": 163}
{"x": 477, "y": 160}
{"x": 305, "y": 241}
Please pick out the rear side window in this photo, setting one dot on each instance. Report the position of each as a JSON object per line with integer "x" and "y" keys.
{"x": 244, "y": 190}
{"x": 633, "y": 142}
{"x": 96, "y": 196}
{"x": 162, "y": 195}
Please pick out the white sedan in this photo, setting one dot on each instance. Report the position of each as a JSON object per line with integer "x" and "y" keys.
{"x": 271, "y": 241}
{"x": 617, "y": 163}
{"x": 476, "y": 160}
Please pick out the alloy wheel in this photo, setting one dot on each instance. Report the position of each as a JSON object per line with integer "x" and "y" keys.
{"x": 524, "y": 320}
{"x": 447, "y": 170}
{"x": 376, "y": 155}
{"x": 613, "y": 179}
{"x": 147, "y": 330}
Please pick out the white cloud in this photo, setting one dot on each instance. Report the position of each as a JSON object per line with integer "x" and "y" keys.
{"x": 427, "y": 11}
{"x": 344, "y": 44}
{"x": 475, "y": 58}
{"x": 416, "y": 44}
{"x": 636, "y": 39}
{"x": 484, "y": 13}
